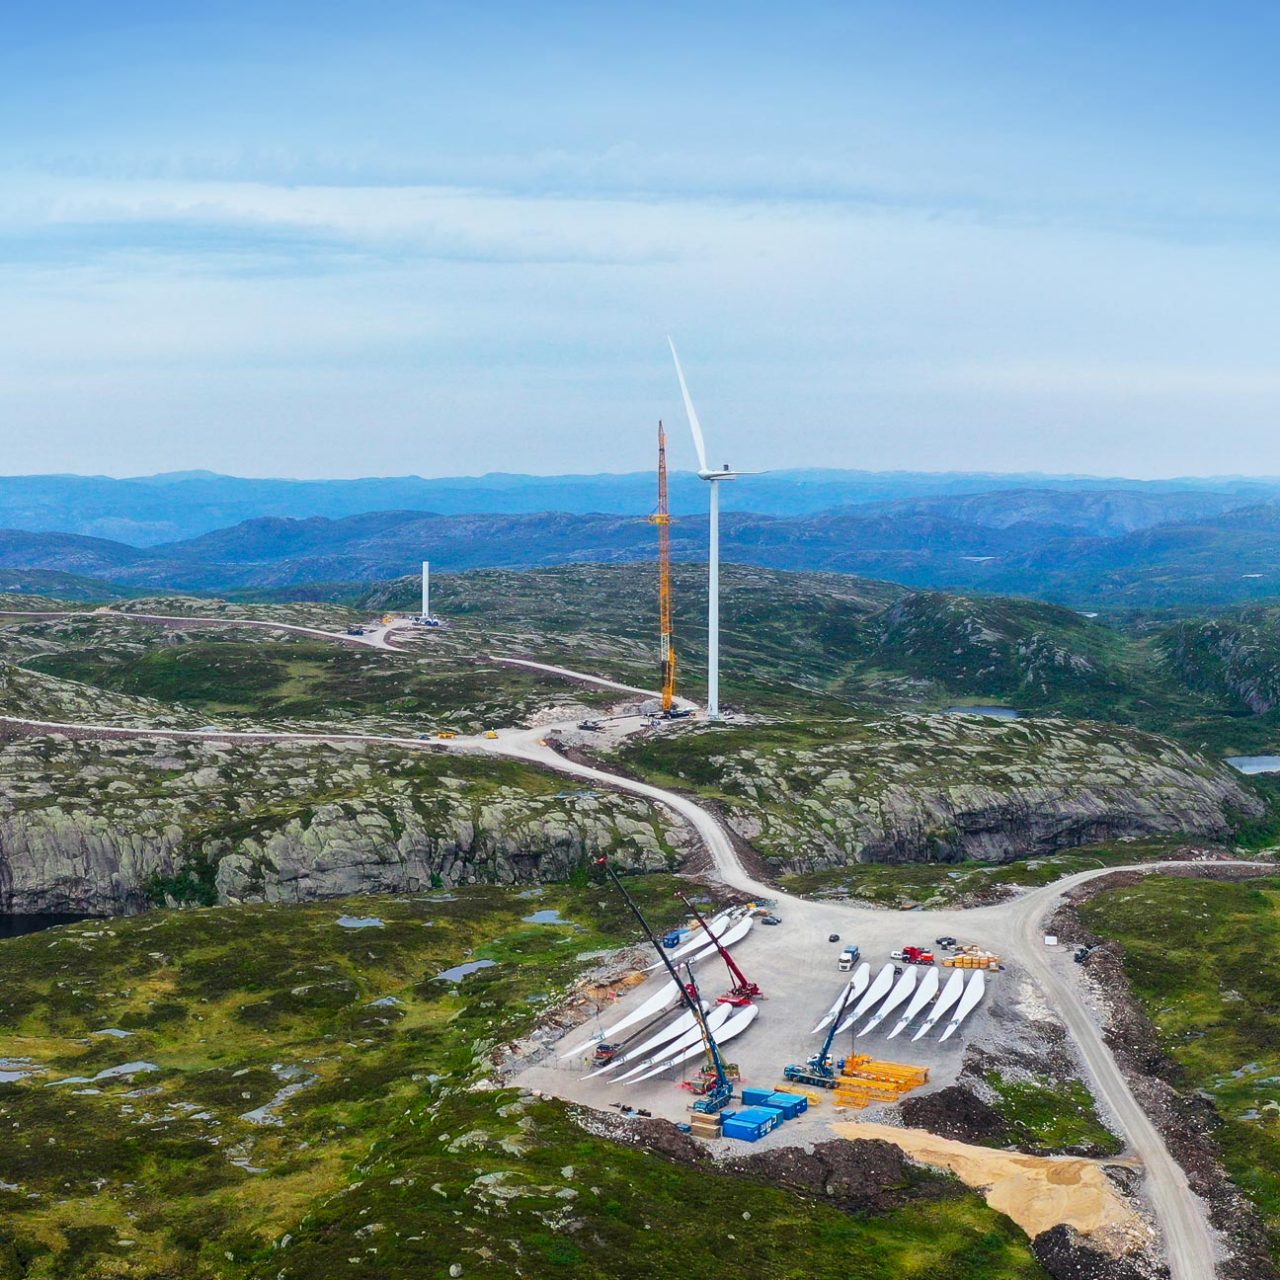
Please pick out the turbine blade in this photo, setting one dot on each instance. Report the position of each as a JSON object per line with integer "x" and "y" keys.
{"x": 698, "y": 443}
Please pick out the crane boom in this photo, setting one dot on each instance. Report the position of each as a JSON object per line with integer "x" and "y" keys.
{"x": 662, "y": 518}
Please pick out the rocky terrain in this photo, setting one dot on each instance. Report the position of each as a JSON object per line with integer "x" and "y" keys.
{"x": 112, "y": 825}
{"x": 1235, "y": 656}
{"x": 913, "y": 788}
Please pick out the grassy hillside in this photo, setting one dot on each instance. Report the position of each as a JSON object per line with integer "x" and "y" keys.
{"x": 253, "y": 677}
{"x": 1204, "y": 958}
{"x": 303, "y": 1094}
{"x": 792, "y": 644}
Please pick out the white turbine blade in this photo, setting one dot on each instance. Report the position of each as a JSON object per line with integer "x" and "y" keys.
{"x": 924, "y": 993}
{"x": 695, "y": 426}
{"x": 950, "y": 994}
{"x": 716, "y": 926}
{"x": 733, "y": 935}
{"x": 741, "y": 1020}
{"x": 667, "y": 995}
{"x": 857, "y": 985}
{"x": 671, "y": 1031}
{"x": 900, "y": 993}
{"x": 878, "y": 990}
{"x": 718, "y": 1015}
{"x": 968, "y": 1002}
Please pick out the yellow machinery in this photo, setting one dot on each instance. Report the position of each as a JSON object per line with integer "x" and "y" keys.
{"x": 662, "y": 518}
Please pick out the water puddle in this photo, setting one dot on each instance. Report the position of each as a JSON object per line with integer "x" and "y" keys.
{"x": 110, "y": 1073}
{"x": 1255, "y": 764}
{"x": 460, "y": 971}
{"x": 361, "y": 922}
{"x": 296, "y": 1080}
{"x": 550, "y": 915}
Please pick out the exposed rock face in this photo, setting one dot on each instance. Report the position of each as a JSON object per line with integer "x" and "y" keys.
{"x": 106, "y": 826}
{"x": 916, "y": 788}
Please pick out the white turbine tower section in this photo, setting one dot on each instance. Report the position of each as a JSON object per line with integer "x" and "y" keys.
{"x": 713, "y": 543}
{"x": 426, "y": 590}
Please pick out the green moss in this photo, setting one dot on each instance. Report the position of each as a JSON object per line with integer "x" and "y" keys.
{"x": 1204, "y": 958}
{"x": 1048, "y": 1117}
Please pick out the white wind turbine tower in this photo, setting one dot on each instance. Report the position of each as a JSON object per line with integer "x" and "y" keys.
{"x": 713, "y": 478}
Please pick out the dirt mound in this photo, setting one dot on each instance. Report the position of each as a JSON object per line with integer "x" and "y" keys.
{"x": 1064, "y": 1254}
{"x": 955, "y": 1112}
{"x": 852, "y": 1174}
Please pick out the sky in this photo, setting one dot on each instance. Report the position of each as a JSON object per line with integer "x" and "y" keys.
{"x": 333, "y": 239}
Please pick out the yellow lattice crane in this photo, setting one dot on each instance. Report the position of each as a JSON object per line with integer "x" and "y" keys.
{"x": 662, "y": 518}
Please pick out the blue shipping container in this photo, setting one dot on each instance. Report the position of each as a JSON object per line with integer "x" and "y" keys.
{"x": 790, "y": 1104}
{"x": 754, "y": 1097}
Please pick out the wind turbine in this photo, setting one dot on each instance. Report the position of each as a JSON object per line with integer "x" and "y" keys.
{"x": 713, "y": 478}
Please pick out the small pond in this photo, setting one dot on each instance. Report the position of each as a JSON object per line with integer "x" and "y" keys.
{"x": 460, "y": 971}
{"x": 995, "y": 713}
{"x": 549, "y": 916}
{"x": 1255, "y": 764}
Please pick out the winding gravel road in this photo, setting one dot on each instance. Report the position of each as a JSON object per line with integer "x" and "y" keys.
{"x": 1015, "y": 926}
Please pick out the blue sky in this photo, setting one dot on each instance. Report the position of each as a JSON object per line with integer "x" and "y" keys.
{"x": 336, "y": 239}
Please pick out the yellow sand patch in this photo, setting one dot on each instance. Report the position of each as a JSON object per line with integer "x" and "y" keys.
{"x": 1037, "y": 1192}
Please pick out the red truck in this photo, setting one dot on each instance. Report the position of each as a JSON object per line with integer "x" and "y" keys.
{"x": 912, "y": 955}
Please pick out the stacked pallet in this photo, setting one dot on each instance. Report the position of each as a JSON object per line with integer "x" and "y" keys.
{"x": 863, "y": 1080}
{"x": 702, "y": 1124}
{"x": 971, "y": 957}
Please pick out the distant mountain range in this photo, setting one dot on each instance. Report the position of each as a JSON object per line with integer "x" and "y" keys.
{"x": 153, "y": 510}
{"x": 1139, "y": 547}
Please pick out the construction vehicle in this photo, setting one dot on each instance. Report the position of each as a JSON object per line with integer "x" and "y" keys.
{"x": 718, "y": 1090}
{"x": 820, "y": 1070}
{"x": 446, "y": 733}
{"x": 714, "y": 1083}
{"x": 490, "y": 733}
{"x": 743, "y": 991}
{"x": 912, "y": 955}
{"x": 666, "y": 647}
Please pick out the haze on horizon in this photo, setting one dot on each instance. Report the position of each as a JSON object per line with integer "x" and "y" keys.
{"x": 331, "y": 240}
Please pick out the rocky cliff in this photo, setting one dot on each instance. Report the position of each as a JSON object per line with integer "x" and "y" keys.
{"x": 112, "y": 825}
{"x": 914, "y": 788}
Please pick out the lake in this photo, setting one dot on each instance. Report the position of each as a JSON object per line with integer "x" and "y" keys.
{"x": 996, "y": 713}
{"x": 1255, "y": 764}
{"x": 16, "y": 926}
